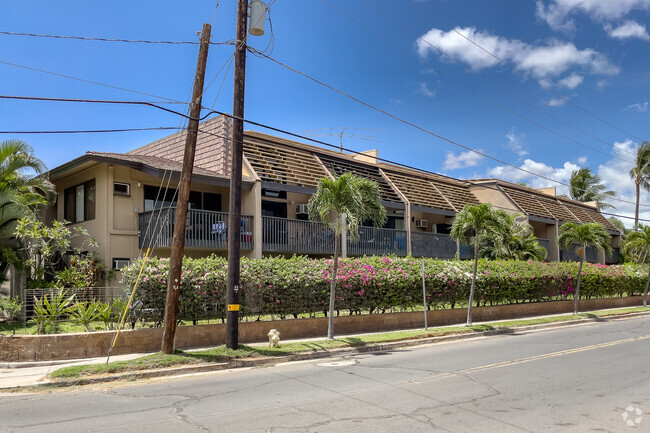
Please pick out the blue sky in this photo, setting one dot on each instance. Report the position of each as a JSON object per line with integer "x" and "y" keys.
{"x": 591, "y": 52}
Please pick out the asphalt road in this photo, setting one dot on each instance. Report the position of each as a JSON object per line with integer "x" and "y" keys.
{"x": 573, "y": 379}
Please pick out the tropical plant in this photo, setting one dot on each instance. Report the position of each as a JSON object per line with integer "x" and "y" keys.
{"x": 84, "y": 313}
{"x": 618, "y": 224}
{"x": 637, "y": 245}
{"x": 585, "y": 186}
{"x": 10, "y": 309}
{"x": 105, "y": 314}
{"x": 485, "y": 223}
{"x": 518, "y": 243}
{"x": 49, "y": 309}
{"x": 343, "y": 204}
{"x": 640, "y": 174}
{"x": 585, "y": 235}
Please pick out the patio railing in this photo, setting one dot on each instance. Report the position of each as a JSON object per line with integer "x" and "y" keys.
{"x": 203, "y": 229}
{"x": 433, "y": 245}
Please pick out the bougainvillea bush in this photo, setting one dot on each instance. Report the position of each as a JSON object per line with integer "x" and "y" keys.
{"x": 295, "y": 286}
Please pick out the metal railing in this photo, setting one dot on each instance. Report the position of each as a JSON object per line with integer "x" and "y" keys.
{"x": 377, "y": 242}
{"x": 203, "y": 229}
{"x": 591, "y": 255}
{"x": 546, "y": 244}
{"x": 612, "y": 259}
{"x": 82, "y": 294}
{"x": 284, "y": 235}
{"x": 433, "y": 245}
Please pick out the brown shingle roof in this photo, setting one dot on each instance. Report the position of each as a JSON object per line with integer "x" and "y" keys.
{"x": 151, "y": 161}
{"x": 212, "y": 146}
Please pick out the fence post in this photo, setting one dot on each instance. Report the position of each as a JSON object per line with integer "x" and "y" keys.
{"x": 424, "y": 296}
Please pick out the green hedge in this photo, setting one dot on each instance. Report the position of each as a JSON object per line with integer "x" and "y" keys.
{"x": 300, "y": 285}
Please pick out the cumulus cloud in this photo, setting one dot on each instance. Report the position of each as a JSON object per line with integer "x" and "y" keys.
{"x": 643, "y": 106}
{"x": 541, "y": 61}
{"x": 601, "y": 84}
{"x": 511, "y": 174}
{"x": 424, "y": 89}
{"x": 515, "y": 142}
{"x": 582, "y": 160}
{"x": 462, "y": 160}
{"x": 628, "y": 30}
{"x": 614, "y": 174}
{"x": 557, "y": 12}
{"x": 572, "y": 81}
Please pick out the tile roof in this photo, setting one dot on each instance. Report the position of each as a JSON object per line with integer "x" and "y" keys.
{"x": 152, "y": 161}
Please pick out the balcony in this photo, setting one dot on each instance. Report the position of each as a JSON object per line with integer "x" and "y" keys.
{"x": 546, "y": 244}
{"x": 203, "y": 229}
{"x": 433, "y": 245}
{"x": 282, "y": 235}
{"x": 573, "y": 256}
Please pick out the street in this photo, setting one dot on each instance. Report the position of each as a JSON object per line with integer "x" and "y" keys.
{"x": 582, "y": 378}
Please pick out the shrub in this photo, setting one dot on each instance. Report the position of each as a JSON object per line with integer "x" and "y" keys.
{"x": 300, "y": 285}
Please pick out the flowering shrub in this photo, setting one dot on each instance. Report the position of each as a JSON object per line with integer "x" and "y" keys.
{"x": 300, "y": 285}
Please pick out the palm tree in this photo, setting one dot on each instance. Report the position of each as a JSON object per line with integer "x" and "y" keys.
{"x": 640, "y": 174}
{"x": 586, "y": 186}
{"x": 519, "y": 243}
{"x": 637, "y": 245}
{"x": 585, "y": 235}
{"x": 12, "y": 210}
{"x": 486, "y": 223}
{"x": 22, "y": 173}
{"x": 343, "y": 204}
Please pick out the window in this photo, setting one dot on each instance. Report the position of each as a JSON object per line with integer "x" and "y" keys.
{"x": 79, "y": 202}
{"x": 119, "y": 263}
{"x": 166, "y": 197}
{"x": 120, "y": 188}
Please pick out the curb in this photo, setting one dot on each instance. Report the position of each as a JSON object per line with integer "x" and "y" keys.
{"x": 305, "y": 356}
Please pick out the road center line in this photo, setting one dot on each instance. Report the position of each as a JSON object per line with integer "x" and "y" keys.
{"x": 549, "y": 355}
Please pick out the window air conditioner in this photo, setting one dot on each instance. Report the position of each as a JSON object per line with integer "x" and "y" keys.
{"x": 421, "y": 223}
{"x": 302, "y": 209}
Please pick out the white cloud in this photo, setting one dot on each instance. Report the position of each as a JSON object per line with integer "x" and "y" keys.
{"x": 601, "y": 84}
{"x": 541, "y": 61}
{"x": 562, "y": 174}
{"x": 556, "y": 13}
{"x": 582, "y": 160}
{"x": 572, "y": 81}
{"x": 614, "y": 174}
{"x": 637, "y": 107}
{"x": 424, "y": 89}
{"x": 515, "y": 142}
{"x": 462, "y": 160}
{"x": 555, "y": 102}
{"x": 628, "y": 30}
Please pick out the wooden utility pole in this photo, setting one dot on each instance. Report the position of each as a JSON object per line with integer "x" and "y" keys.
{"x": 178, "y": 241}
{"x": 234, "y": 217}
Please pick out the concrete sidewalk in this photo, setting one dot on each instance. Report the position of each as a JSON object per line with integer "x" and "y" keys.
{"x": 21, "y": 374}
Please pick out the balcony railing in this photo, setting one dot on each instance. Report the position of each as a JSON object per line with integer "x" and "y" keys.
{"x": 546, "y": 243}
{"x": 613, "y": 258}
{"x": 433, "y": 245}
{"x": 378, "y": 242}
{"x": 282, "y": 235}
{"x": 573, "y": 256}
{"x": 203, "y": 229}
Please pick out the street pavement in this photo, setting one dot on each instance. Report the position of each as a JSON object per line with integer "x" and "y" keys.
{"x": 582, "y": 378}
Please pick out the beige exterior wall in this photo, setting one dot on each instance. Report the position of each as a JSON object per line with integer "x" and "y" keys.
{"x": 432, "y": 220}
{"x": 491, "y": 194}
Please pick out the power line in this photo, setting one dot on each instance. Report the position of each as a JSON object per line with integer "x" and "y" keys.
{"x": 92, "y": 131}
{"x": 86, "y": 38}
{"x": 539, "y": 83}
{"x": 91, "y": 82}
{"x": 99, "y": 101}
{"x": 463, "y": 84}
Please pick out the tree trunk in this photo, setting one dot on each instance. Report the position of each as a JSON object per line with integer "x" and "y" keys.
{"x": 577, "y": 293}
{"x": 471, "y": 290}
{"x": 645, "y": 292}
{"x": 636, "y": 208}
{"x": 330, "y": 316}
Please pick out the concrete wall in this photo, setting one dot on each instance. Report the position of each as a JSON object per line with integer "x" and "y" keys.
{"x": 86, "y": 345}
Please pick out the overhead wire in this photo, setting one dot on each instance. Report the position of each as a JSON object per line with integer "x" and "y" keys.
{"x": 86, "y": 38}
{"x": 91, "y": 131}
{"x": 90, "y": 82}
{"x": 479, "y": 93}
{"x": 538, "y": 82}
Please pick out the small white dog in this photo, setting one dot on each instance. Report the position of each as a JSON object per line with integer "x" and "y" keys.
{"x": 274, "y": 338}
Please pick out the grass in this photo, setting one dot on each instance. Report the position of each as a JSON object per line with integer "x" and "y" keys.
{"x": 223, "y": 354}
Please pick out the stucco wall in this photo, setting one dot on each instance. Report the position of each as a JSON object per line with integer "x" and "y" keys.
{"x": 86, "y": 345}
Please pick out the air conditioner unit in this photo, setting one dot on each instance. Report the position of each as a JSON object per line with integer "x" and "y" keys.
{"x": 302, "y": 209}
{"x": 422, "y": 223}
